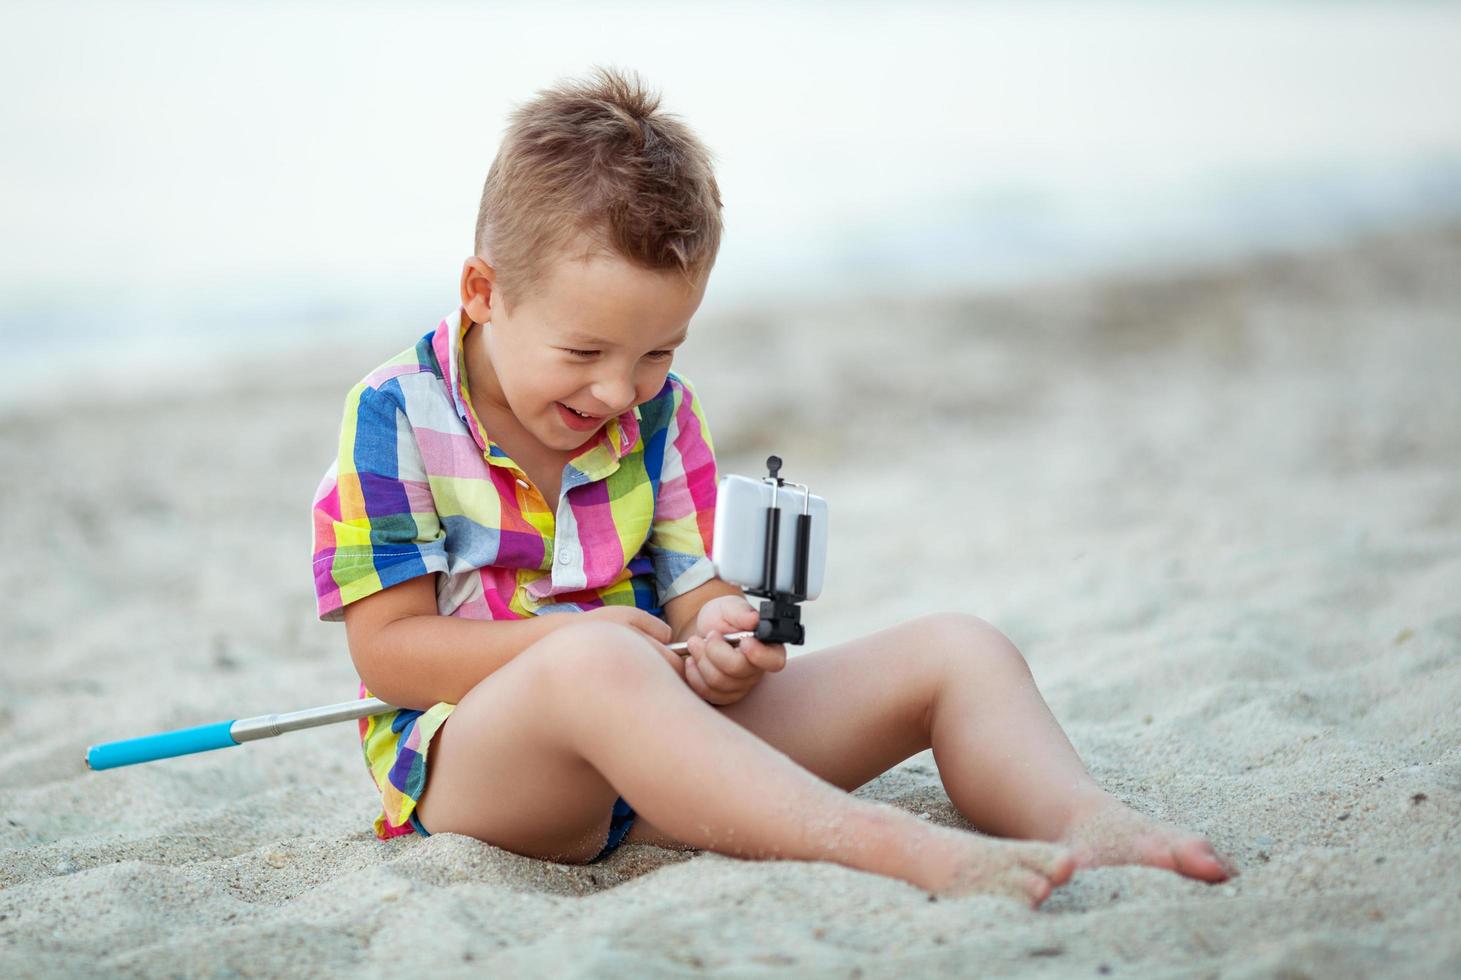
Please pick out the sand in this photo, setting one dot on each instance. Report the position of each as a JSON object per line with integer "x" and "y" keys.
{"x": 1219, "y": 509}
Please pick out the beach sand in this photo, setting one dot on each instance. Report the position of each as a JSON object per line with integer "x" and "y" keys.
{"x": 1219, "y": 510}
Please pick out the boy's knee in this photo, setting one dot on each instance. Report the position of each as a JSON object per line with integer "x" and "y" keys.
{"x": 962, "y": 640}
{"x": 597, "y": 656}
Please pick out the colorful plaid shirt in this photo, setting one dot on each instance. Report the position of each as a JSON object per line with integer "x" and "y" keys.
{"x": 419, "y": 487}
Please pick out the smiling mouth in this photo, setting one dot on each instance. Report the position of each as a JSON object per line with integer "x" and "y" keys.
{"x": 579, "y": 420}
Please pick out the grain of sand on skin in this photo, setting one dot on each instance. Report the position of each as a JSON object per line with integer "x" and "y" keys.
{"x": 1026, "y": 872}
{"x": 1220, "y": 511}
{"x": 1115, "y": 834}
{"x": 943, "y": 861}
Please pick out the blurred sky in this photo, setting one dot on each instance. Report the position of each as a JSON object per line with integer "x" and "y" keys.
{"x": 222, "y": 174}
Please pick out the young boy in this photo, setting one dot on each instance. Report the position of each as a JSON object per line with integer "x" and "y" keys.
{"x": 519, "y": 520}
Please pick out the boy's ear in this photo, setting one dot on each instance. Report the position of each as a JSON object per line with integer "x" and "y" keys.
{"x": 479, "y": 280}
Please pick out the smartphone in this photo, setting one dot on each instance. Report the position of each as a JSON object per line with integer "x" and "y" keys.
{"x": 739, "y": 551}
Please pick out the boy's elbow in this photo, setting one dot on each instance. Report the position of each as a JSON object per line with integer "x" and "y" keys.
{"x": 373, "y": 633}
{"x": 378, "y": 668}
{"x": 386, "y": 675}
{"x": 375, "y": 681}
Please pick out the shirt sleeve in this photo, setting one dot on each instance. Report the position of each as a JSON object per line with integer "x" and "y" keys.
{"x": 684, "y": 509}
{"x": 375, "y": 523}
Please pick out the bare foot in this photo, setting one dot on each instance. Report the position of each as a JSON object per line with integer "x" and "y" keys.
{"x": 1110, "y": 832}
{"x": 963, "y": 863}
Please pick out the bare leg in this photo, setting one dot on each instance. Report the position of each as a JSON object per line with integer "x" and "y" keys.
{"x": 604, "y": 713}
{"x": 954, "y": 683}
{"x": 1005, "y": 761}
{"x": 1010, "y": 768}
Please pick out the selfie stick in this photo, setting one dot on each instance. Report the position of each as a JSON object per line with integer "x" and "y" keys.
{"x": 780, "y": 614}
{"x": 780, "y": 623}
{"x": 226, "y": 734}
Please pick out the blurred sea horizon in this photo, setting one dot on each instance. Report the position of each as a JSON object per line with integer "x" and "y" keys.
{"x": 186, "y": 182}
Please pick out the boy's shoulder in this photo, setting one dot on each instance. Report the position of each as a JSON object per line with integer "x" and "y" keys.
{"x": 420, "y": 360}
{"x": 417, "y": 382}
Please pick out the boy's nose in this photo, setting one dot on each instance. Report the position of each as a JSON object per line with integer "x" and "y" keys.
{"x": 615, "y": 394}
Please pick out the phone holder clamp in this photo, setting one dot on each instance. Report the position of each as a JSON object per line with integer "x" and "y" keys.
{"x": 781, "y": 613}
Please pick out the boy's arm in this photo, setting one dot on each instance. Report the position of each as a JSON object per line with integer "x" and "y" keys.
{"x": 682, "y": 611}
{"x": 411, "y": 656}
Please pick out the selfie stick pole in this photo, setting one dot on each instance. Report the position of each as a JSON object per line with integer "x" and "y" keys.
{"x": 226, "y": 734}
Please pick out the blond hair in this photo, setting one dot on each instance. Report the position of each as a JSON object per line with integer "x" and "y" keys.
{"x": 597, "y": 158}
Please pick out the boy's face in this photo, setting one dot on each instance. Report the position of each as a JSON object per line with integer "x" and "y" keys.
{"x": 597, "y": 337}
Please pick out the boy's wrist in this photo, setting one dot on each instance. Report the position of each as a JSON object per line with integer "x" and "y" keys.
{"x": 685, "y": 631}
{"x": 687, "y": 612}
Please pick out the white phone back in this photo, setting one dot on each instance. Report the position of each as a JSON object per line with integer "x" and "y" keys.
{"x": 739, "y": 550}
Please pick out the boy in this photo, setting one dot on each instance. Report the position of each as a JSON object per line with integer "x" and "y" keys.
{"x": 519, "y": 521}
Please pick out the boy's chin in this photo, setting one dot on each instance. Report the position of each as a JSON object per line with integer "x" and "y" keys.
{"x": 567, "y": 439}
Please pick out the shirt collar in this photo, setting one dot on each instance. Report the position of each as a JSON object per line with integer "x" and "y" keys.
{"x": 601, "y": 457}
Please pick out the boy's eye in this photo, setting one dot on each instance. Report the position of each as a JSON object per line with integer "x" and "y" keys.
{"x": 658, "y": 355}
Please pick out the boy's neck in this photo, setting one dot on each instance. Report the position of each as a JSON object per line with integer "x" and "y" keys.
{"x": 478, "y": 376}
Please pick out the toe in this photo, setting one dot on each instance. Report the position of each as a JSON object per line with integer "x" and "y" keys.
{"x": 1195, "y": 858}
{"x": 1062, "y": 868}
{"x": 1085, "y": 856}
{"x": 1036, "y": 888}
{"x": 1056, "y": 864}
{"x": 1053, "y": 862}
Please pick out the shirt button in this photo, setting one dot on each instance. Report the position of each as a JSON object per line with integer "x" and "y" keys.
{"x": 564, "y": 556}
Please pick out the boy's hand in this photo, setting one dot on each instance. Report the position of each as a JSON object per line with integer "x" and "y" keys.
{"x": 651, "y": 626}
{"x": 720, "y": 673}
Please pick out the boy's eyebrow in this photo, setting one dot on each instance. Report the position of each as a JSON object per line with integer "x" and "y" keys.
{"x": 592, "y": 341}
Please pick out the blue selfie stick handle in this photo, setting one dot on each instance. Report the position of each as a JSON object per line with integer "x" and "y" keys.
{"x": 226, "y": 734}
{"x": 164, "y": 745}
